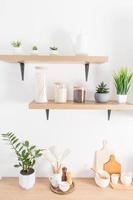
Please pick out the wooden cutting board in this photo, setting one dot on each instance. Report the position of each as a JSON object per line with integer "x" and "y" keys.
{"x": 112, "y": 166}
{"x": 102, "y": 156}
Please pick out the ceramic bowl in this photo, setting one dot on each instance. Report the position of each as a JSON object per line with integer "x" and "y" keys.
{"x": 103, "y": 183}
{"x": 64, "y": 186}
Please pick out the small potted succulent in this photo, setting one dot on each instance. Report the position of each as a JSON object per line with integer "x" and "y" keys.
{"x": 17, "y": 46}
{"x": 35, "y": 50}
{"x": 26, "y": 156}
{"x": 53, "y": 50}
{"x": 122, "y": 81}
{"x": 102, "y": 94}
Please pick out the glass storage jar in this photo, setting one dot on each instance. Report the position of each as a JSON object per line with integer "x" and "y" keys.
{"x": 60, "y": 92}
{"x": 79, "y": 95}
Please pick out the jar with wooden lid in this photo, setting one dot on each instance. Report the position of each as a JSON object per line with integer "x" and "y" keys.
{"x": 79, "y": 94}
{"x": 60, "y": 92}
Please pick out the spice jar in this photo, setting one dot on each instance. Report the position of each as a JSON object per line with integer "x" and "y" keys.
{"x": 60, "y": 92}
{"x": 79, "y": 95}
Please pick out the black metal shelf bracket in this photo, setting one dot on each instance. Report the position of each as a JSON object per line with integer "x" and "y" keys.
{"x": 86, "y": 71}
{"x": 47, "y": 114}
{"x": 109, "y": 114}
{"x": 22, "y": 67}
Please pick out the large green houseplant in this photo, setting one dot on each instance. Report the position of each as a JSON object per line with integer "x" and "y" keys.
{"x": 26, "y": 157}
{"x": 122, "y": 80}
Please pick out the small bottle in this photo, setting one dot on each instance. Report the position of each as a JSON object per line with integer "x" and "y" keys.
{"x": 79, "y": 95}
{"x": 60, "y": 92}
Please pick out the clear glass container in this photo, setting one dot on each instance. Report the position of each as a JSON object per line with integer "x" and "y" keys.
{"x": 60, "y": 92}
{"x": 79, "y": 94}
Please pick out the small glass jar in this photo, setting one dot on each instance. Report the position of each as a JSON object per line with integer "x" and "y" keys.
{"x": 60, "y": 92}
{"x": 79, "y": 95}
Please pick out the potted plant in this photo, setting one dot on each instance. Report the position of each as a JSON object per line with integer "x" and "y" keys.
{"x": 26, "y": 156}
{"x": 122, "y": 81}
{"x": 17, "y": 46}
{"x": 35, "y": 50}
{"x": 53, "y": 50}
{"x": 102, "y": 93}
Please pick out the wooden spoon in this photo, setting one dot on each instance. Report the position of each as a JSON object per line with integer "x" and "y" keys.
{"x": 101, "y": 176}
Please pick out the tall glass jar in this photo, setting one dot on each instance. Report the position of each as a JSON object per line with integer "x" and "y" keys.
{"x": 60, "y": 92}
{"x": 40, "y": 85}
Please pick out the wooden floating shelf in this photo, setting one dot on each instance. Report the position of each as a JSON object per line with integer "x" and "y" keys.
{"x": 89, "y": 105}
{"x": 54, "y": 59}
{"x": 79, "y": 59}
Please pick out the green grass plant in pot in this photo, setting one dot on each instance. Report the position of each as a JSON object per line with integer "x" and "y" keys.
{"x": 102, "y": 94}
{"x": 26, "y": 156}
{"x": 122, "y": 80}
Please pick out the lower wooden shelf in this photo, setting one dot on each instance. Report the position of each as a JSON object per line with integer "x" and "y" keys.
{"x": 89, "y": 105}
{"x": 85, "y": 189}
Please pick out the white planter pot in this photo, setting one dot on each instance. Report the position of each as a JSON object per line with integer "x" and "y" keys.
{"x": 17, "y": 50}
{"x": 81, "y": 45}
{"x": 27, "y": 181}
{"x": 35, "y": 52}
{"x": 41, "y": 91}
{"x": 122, "y": 98}
{"x": 53, "y": 52}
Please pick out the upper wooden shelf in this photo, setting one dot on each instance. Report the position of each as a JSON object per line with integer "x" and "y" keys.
{"x": 54, "y": 59}
{"x": 90, "y": 105}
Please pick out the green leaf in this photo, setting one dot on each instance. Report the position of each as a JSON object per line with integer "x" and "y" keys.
{"x": 32, "y": 147}
{"x": 16, "y": 166}
{"x": 26, "y": 143}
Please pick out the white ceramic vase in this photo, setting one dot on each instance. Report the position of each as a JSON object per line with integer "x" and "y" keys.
{"x": 27, "y": 181}
{"x": 41, "y": 90}
{"x": 81, "y": 44}
{"x": 122, "y": 98}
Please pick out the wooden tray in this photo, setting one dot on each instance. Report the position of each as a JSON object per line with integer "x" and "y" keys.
{"x": 120, "y": 186}
{"x": 58, "y": 191}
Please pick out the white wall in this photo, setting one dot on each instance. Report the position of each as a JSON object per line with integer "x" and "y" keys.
{"x": 44, "y": 22}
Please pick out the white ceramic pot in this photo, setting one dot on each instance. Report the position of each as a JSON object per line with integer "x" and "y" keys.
{"x": 122, "y": 98}
{"x": 41, "y": 89}
{"x": 27, "y": 181}
{"x": 102, "y": 98}
{"x": 64, "y": 186}
{"x": 35, "y": 52}
{"x": 55, "y": 180}
{"x": 126, "y": 178}
{"x": 103, "y": 183}
{"x": 53, "y": 52}
{"x": 114, "y": 178}
{"x": 17, "y": 50}
{"x": 81, "y": 45}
